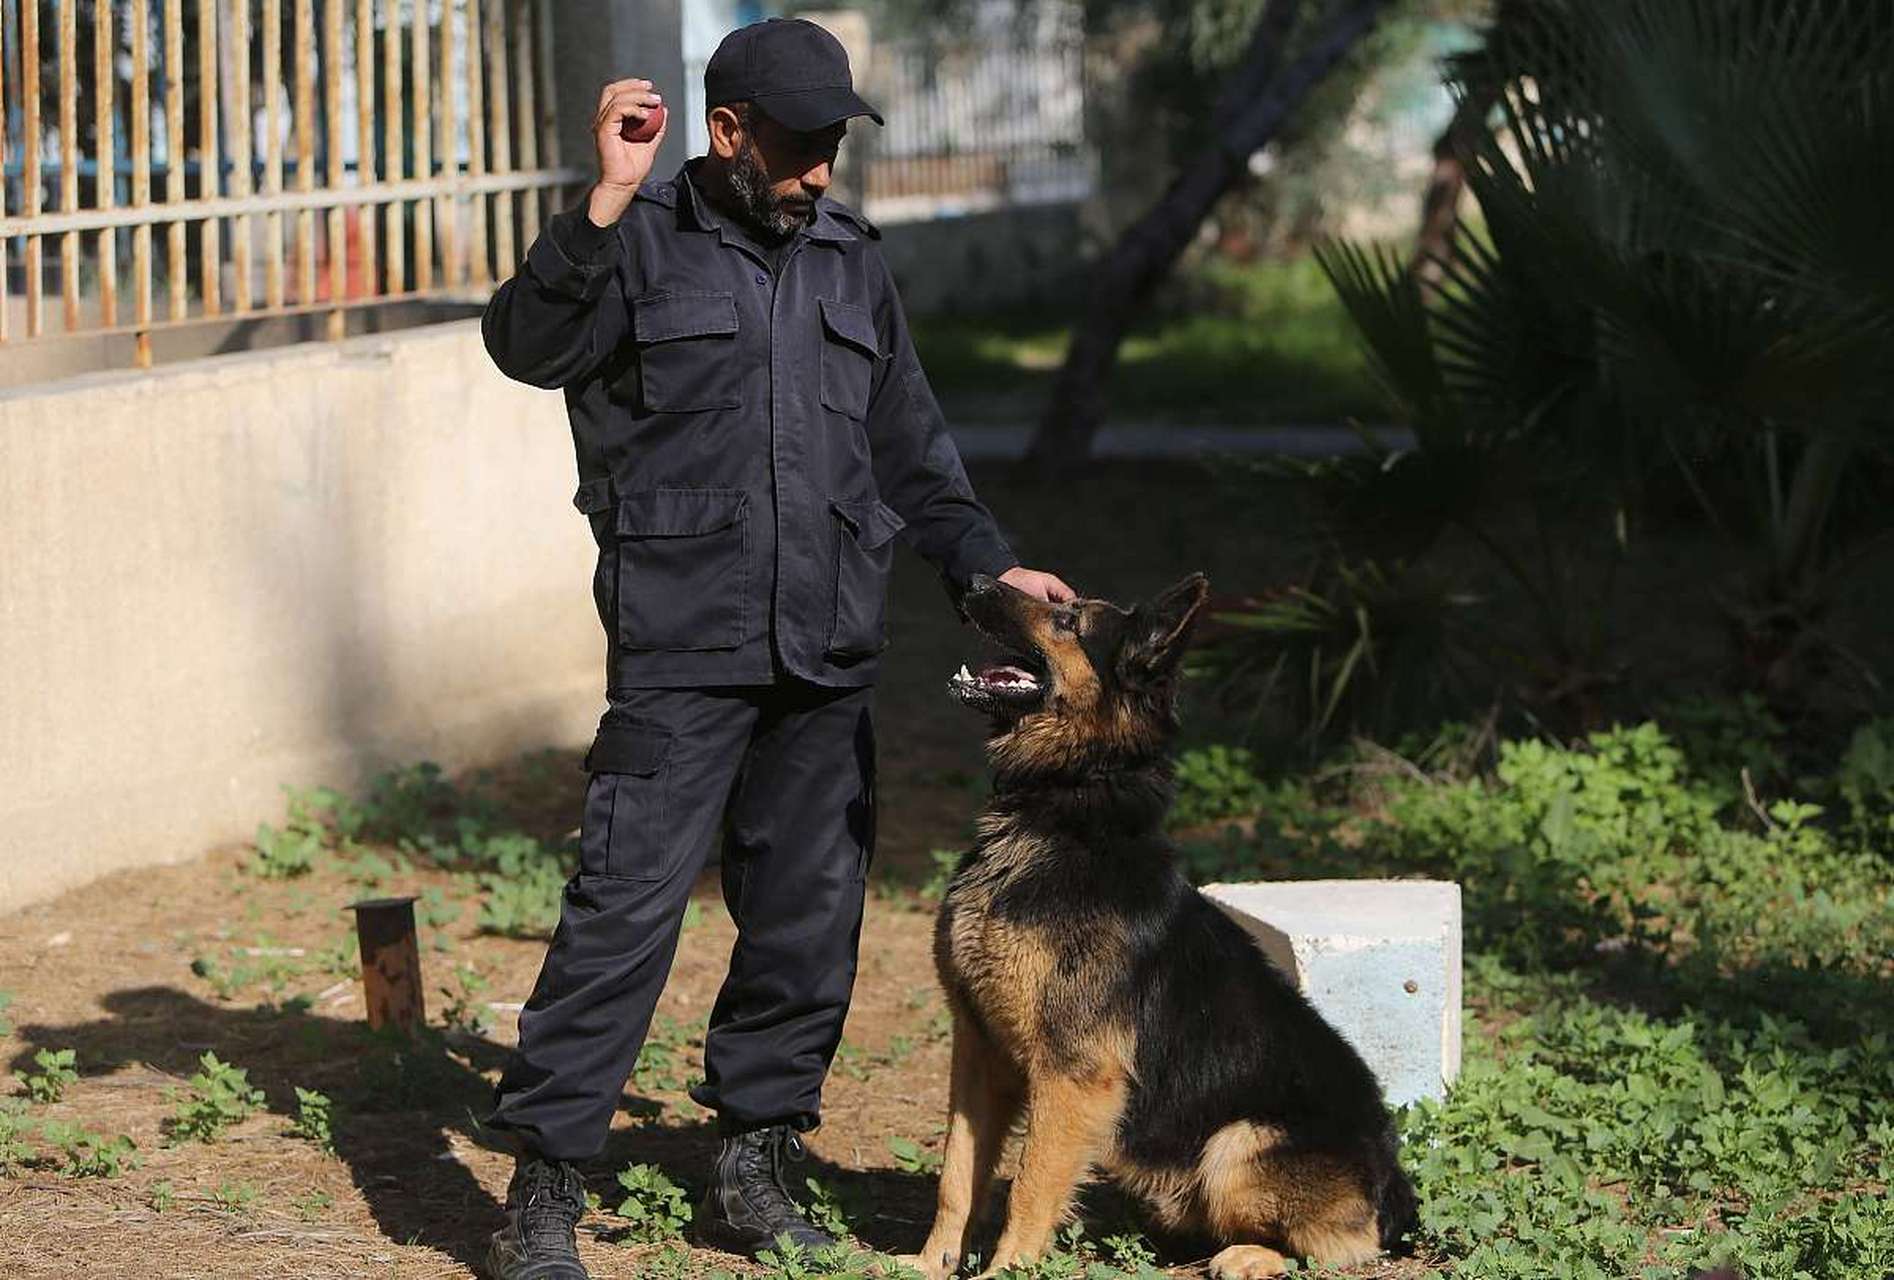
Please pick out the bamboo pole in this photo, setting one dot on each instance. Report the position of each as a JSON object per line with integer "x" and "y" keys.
{"x": 305, "y": 114}
{"x": 394, "y": 164}
{"x": 241, "y": 229}
{"x": 526, "y": 119}
{"x": 365, "y": 138}
{"x": 274, "y": 287}
{"x": 69, "y": 160}
{"x": 423, "y": 135}
{"x": 174, "y": 150}
{"x": 476, "y": 148}
{"x": 452, "y": 267}
{"x": 29, "y": 162}
{"x": 497, "y": 101}
{"x": 6, "y": 302}
{"x": 210, "y": 157}
{"x": 332, "y": 133}
{"x": 548, "y": 111}
{"x": 140, "y": 12}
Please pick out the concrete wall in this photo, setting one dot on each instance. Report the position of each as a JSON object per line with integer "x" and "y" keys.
{"x": 288, "y": 566}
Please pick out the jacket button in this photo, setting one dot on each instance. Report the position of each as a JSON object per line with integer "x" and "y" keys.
{"x": 761, "y": 278}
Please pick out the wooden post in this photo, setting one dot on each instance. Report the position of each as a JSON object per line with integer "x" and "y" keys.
{"x": 391, "y": 963}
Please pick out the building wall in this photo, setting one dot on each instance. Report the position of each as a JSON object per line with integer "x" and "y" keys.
{"x": 287, "y": 566}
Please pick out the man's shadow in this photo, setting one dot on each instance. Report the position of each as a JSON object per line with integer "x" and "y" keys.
{"x": 400, "y": 1102}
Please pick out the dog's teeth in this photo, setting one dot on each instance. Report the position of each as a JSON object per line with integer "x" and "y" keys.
{"x": 963, "y": 673}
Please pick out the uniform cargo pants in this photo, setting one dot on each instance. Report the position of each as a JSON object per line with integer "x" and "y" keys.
{"x": 785, "y": 775}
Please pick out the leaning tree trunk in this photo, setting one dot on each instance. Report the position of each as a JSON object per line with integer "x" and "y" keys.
{"x": 1440, "y": 203}
{"x": 1253, "y": 108}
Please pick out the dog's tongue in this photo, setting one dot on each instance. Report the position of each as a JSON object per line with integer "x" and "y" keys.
{"x": 1005, "y": 673}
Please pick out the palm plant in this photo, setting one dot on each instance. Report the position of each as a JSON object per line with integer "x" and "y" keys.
{"x": 1683, "y": 265}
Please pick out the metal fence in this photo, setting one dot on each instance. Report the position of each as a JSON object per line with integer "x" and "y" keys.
{"x": 248, "y": 157}
{"x": 993, "y": 119}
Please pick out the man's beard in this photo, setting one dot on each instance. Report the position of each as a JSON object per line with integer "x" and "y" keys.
{"x": 768, "y": 214}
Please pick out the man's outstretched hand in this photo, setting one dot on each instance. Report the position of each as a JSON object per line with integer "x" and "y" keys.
{"x": 1040, "y": 586}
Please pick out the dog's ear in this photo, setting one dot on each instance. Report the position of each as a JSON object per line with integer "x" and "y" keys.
{"x": 1160, "y": 628}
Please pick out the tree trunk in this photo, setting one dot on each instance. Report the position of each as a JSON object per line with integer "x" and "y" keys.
{"x": 1440, "y": 203}
{"x": 1253, "y": 108}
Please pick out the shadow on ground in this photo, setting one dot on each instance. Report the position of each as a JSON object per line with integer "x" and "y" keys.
{"x": 402, "y": 1105}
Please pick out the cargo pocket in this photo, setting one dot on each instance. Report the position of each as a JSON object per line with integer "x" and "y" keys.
{"x": 848, "y": 356}
{"x": 683, "y": 569}
{"x": 626, "y": 835}
{"x": 687, "y": 351}
{"x": 864, "y": 550}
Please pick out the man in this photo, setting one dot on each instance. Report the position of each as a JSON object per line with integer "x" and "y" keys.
{"x": 753, "y": 429}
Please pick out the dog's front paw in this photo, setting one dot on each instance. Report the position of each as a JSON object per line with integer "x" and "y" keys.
{"x": 935, "y": 1264}
{"x": 1248, "y": 1262}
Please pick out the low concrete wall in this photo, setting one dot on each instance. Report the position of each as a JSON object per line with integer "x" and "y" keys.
{"x": 287, "y": 566}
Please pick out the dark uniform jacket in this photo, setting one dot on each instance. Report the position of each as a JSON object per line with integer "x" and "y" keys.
{"x": 750, "y": 437}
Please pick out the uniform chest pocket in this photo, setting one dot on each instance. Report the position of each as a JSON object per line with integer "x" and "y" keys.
{"x": 683, "y": 569}
{"x": 687, "y": 351}
{"x": 848, "y": 356}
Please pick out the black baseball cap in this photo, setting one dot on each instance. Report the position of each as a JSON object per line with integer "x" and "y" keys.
{"x": 792, "y": 69}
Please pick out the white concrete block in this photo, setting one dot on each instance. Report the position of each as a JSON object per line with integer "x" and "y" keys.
{"x": 1380, "y": 959}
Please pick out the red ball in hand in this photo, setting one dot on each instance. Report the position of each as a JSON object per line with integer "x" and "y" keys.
{"x": 633, "y": 131}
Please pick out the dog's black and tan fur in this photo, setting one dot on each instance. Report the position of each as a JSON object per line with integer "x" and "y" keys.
{"x": 1096, "y": 994}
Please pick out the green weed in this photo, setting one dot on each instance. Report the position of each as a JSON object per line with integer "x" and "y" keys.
{"x": 240, "y": 968}
{"x": 911, "y": 1157}
{"x": 312, "y": 1204}
{"x": 16, "y": 1146}
{"x": 341, "y": 958}
{"x": 88, "y": 1154}
{"x": 1216, "y": 783}
{"x": 235, "y": 1197}
{"x": 946, "y": 862}
{"x": 466, "y": 1009}
{"x": 219, "y": 1096}
{"x": 1865, "y": 781}
{"x": 791, "y": 1261}
{"x": 57, "y": 1070}
{"x": 825, "y": 1208}
{"x": 656, "y": 1207}
{"x": 315, "y": 1118}
{"x": 664, "y": 1062}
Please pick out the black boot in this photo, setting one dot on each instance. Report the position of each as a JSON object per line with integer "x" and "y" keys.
{"x": 746, "y": 1207}
{"x": 544, "y": 1203}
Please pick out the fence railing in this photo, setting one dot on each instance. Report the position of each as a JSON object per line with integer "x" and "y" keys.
{"x": 312, "y": 154}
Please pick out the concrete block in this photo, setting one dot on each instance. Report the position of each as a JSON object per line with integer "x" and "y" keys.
{"x": 1380, "y": 959}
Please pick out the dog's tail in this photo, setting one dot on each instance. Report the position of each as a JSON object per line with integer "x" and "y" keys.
{"x": 1397, "y": 1210}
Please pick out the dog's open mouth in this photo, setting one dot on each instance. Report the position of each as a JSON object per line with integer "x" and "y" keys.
{"x": 1008, "y": 682}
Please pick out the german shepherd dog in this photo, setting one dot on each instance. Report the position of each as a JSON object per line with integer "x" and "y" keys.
{"x": 1136, "y": 1027}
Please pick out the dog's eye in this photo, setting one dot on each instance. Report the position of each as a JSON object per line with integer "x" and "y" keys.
{"x": 1066, "y": 621}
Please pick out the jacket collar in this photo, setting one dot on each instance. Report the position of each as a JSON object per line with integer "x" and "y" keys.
{"x": 697, "y": 213}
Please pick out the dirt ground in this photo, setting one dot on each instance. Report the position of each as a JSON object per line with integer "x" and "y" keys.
{"x": 108, "y": 971}
{"x": 142, "y": 972}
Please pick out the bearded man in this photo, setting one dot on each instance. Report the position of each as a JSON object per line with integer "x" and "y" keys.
{"x": 753, "y": 430}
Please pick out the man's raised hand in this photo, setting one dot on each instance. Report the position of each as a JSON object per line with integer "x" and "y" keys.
{"x": 622, "y": 165}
